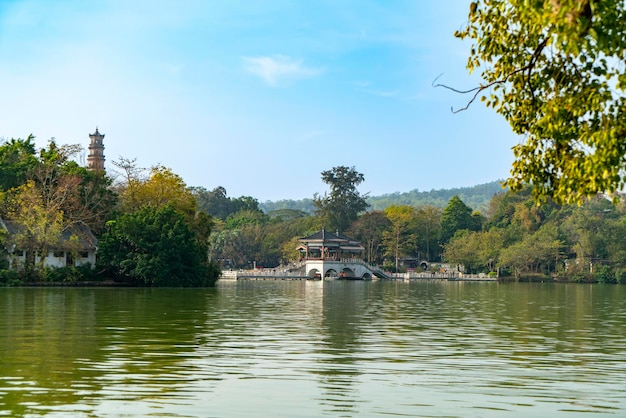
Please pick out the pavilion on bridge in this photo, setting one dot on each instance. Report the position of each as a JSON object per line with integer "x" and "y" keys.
{"x": 329, "y": 255}
{"x": 324, "y": 245}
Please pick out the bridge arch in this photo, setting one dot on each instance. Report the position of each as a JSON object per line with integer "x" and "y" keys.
{"x": 313, "y": 273}
{"x": 347, "y": 272}
{"x": 331, "y": 273}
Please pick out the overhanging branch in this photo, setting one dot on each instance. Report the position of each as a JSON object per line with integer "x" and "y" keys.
{"x": 478, "y": 90}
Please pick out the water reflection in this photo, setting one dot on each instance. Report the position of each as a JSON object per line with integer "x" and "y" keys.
{"x": 67, "y": 349}
{"x": 309, "y": 349}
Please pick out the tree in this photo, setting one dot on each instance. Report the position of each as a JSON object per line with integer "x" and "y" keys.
{"x": 554, "y": 70}
{"x": 82, "y": 195}
{"x": 55, "y": 195}
{"x": 369, "y": 229}
{"x": 157, "y": 247}
{"x": 475, "y": 250}
{"x": 345, "y": 203}
{"x": 217, "y": 203}
{"x": 400, "y": 238}
{"x": 428, "y": 220}
{"x": 17, "y": 161}
{"x": 457, "y": 216}
{"x": 40, "y": 223}
{"x": 536, "y": 253}
{"x": 162, "y": 188}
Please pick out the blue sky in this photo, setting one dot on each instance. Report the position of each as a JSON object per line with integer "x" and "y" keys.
{"x": 256, "y": 96}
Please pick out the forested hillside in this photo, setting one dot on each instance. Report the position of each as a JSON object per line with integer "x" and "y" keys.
{"x": 476, "y": 197}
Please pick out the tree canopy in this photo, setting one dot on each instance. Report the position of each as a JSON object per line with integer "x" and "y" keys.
{"x": 555, "y": 70}
{"x": 156, "y": 246}
{"x": 458, "y": 216}
{"x": 17, "y": 161}
{"x": 344, "y": 203}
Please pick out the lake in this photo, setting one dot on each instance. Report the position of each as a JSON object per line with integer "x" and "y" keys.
{"x": 313, "y": 349}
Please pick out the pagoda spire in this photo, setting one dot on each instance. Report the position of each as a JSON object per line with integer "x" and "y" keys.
{"x": 95, "y": 159}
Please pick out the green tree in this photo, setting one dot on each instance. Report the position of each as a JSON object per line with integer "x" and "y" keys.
{"x": 56, "y": 195}
{"x": 40, "y": 223}
{"x": 536, "y": 253}
{"x": 344, "y": 203}
{"x": 157, "y": 247}
{"x": 476, "y": 251}
{"x": 463, "y": 249}
{"x": 554, "y": 70}
{"x": 17, "y": 162}
{"x": 428, "y": 219}
{"x": 458, "y": 216}
{"x": 400, "y": 239}
{"x": 217, "y": 203}
{"x": 369, "y": 229}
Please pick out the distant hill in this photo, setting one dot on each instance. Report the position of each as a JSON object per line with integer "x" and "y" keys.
{"x": 476, "y": 197}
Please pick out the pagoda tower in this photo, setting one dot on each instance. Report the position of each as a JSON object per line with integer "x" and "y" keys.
{"x": 95, "y": 159}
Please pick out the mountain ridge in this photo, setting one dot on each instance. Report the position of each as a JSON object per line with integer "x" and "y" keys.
{"x": 477, "y": 197}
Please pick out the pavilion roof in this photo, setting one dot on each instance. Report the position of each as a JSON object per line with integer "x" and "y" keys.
{"x": 328, "y": 239}
{"x": 323, "y": 236}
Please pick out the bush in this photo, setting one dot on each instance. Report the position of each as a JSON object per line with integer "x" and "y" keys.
{"x": 534, "y": 278}
{"x": 9, "y": 277}
{"x": 578, "y": 277}
{"x": 604, "y": 274}
{"x": 156, "y": 247}
{"x": 620, "y": 276}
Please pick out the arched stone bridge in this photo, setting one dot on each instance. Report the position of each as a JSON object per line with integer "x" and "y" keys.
{"x": 342, "y": 269}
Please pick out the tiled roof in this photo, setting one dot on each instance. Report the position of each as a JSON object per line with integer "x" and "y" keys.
{"x": 322, "y": 235}
{"x": 82, "y": 233}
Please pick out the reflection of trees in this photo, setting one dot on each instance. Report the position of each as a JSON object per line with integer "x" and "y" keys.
{"x": 149, "y": 337}
{"x": 44, "y": 334}
{"x": 75, "y": 347}
{"x": 343, "y": 306}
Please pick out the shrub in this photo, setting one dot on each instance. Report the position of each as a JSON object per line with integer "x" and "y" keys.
{"x": 578, "y": 277}
{"x": 156, "y": 246}
{"x": 9, "y": 277}
{"x": 620, "y": 276}
{"x": 603, "y": 274}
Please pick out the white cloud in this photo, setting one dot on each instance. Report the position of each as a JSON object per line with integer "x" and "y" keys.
{"x": 279, "y": 69}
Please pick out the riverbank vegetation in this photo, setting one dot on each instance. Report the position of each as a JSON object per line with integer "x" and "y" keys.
{"x": 514, "y": 238}
{"x": 154, "y": 230}
{"x": 149, "y": 227}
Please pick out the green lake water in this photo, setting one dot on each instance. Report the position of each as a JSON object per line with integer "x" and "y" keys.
{"x": 314, "y": 349}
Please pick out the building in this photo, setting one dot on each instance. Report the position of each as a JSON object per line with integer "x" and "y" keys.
{"x": 95, "y": 159}
{"x": 75, "y": 247}
{"x": 327, "y": 255}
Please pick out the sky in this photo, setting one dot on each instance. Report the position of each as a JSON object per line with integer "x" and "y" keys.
{"x": 258, "y": 97}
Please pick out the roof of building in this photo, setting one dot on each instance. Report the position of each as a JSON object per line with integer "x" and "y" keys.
{"x": 323, "y": 236}
{"x": 97, "y": 133}
{"x": 328, "y": 239}
{"x": 77, "y": 235}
